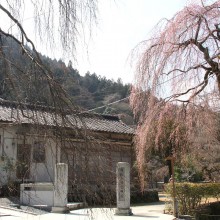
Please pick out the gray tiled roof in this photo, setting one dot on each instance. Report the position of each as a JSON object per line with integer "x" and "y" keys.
{"x": 14, "y": 113}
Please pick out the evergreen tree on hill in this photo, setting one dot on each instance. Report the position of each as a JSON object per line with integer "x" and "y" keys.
{"x": 88, "y": 92}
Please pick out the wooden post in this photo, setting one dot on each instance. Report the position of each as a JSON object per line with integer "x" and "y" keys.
{"x": 175, "y": 208}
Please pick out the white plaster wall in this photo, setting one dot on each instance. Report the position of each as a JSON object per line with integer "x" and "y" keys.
{"x": 39, "y": 172}
{"x": 44, "y": 172}
{"x": 8, "y": 154}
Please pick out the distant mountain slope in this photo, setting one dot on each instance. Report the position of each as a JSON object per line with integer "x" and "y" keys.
{"x": 92, "y": 91}
{"x": 88, "y": 92}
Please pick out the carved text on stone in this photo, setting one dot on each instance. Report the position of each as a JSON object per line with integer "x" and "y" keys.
{"x": 121, "y": 183}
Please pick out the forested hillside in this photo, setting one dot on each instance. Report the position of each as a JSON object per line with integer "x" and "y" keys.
{"x": 89, "y": 91}
{"x": 92, "y": 91}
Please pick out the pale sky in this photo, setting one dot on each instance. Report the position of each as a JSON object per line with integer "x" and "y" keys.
{"x": 122, "y": 24}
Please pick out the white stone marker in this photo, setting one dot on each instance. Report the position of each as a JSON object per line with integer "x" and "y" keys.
{"x": 60, "y": 188}
{"x": 123, "y": 189}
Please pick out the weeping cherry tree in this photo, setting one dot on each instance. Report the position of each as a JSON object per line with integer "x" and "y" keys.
{"x": 177, "y": 83}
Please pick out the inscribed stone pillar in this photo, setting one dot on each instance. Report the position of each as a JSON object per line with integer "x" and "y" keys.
{"x": 123, "y": 189}
{"x": 60, "y": 188}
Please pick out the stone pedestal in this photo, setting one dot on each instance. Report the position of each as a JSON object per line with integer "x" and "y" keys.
{"x": 60, "y": 188}
{"x": 37, "y": 194}
{"x": 123, "y": 189}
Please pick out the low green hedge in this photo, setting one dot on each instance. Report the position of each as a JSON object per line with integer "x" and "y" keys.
{"x": 190, "y": 195}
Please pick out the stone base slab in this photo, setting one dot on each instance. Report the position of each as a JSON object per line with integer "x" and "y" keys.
{"x": 58, "y": 209}
{"x": 125, "y": 212}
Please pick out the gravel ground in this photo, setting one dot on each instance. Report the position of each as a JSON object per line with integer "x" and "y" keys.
{"x": 13, "y": 202}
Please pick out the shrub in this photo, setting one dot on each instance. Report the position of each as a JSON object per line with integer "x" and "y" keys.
{"x": 11, "y": 189}
{"x": 205, "y": 211}
{"x": 190, "y": 195}
{"x": 144, "y": 197}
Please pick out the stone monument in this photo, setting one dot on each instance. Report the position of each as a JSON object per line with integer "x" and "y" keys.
{"x": 60, "y": 188}
{"x": 123, "y": 189}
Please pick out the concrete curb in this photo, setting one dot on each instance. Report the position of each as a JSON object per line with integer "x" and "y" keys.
{"x": 18, "y": 210}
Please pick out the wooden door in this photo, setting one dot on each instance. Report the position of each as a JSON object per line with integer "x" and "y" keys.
{"x": 23, "y": 161}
